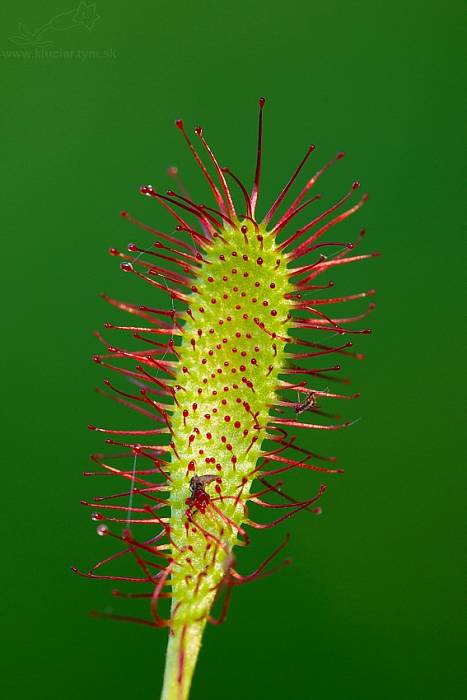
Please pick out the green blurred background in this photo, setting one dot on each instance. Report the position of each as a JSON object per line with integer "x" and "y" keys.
{"x": 372, "y": 607}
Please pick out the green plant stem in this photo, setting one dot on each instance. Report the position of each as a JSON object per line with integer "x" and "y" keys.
{"x": 178, "y": 675}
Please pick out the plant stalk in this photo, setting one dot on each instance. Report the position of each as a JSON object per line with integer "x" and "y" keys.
{"x": 182, "y": 653}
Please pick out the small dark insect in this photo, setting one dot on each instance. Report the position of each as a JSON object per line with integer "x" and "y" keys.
{"x": 199, "y": 499}
{"x": 308, "y": 402}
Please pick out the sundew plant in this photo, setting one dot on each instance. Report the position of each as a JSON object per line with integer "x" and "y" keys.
{"x": 224, "y": 379}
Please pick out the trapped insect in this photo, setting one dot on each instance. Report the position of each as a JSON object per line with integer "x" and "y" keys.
{"x": 308, "y": 402}
{"x": 199, "y": 499}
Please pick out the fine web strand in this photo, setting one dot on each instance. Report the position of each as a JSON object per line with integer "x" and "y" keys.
{"x": 130, "y": 498}
{"x": 135, "y": 457}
